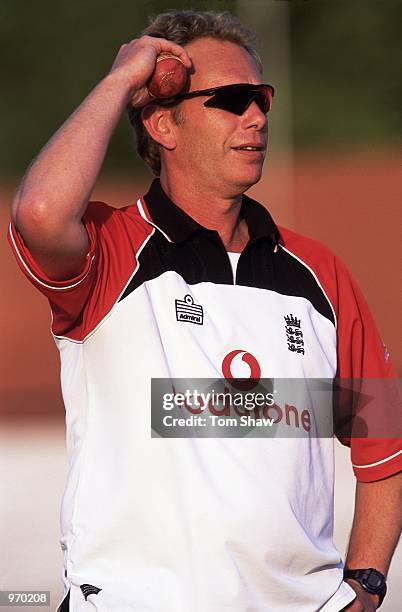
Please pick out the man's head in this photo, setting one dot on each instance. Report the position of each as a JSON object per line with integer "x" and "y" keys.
{"x": 189, "y": 136}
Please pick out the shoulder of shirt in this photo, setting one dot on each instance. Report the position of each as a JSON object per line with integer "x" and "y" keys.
{"x": 100, "y": 212}
{"x": 328, "y": 267}
{"x": 306, "y": 247}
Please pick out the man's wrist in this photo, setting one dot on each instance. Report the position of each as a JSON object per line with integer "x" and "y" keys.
{"x": 120, "y": 85}
{"x": 372, "y": 581}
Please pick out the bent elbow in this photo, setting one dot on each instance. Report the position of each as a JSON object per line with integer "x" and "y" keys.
{"x": 34, "y": 219}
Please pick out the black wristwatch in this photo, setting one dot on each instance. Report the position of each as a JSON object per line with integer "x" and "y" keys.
{"x": 370, "y": 579}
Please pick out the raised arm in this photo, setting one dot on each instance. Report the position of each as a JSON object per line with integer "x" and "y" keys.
{"x": 53, "y": 195}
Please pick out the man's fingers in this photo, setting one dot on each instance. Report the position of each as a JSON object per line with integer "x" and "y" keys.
{"x": 171, "y": 47}
{"x": 360, "y": 605}
{"x": 135, "y": 63}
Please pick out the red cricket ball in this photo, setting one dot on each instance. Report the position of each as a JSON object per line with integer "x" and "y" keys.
{"x": 169, "y": 77}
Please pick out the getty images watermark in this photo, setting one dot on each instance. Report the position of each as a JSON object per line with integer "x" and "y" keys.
{"x": 362, "y": 408}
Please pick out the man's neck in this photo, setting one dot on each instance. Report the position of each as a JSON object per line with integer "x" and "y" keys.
{"x": 211, "y": 211}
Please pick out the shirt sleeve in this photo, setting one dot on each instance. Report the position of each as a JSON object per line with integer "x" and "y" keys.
{"x": 80, "y": 303}
{"x": 365, "y": 362}
{"x": 67, "y": 297}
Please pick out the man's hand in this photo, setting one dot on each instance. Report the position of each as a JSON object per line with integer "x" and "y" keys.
{"x": 135, "y": 63}
{"x": 364, "y": 602}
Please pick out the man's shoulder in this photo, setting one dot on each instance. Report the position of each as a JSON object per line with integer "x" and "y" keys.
{"x": 99, "y": 211}
{"x": 329, "y": 270}
{"x": 117, "y": 226}
{"x": 310, "y": 250}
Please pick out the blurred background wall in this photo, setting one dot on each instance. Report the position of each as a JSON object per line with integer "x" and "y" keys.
{"x": 331, "y": 173}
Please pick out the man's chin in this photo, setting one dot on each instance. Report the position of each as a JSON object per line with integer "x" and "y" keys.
{"x": 247, "y": 179}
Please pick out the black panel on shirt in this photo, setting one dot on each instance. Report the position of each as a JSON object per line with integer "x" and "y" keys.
{"x": 198, "y": 254}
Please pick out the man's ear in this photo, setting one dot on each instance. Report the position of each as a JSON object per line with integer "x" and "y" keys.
{"x": 159, "y": 125}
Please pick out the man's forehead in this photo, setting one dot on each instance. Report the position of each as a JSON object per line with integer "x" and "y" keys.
{"x": 220, "y": 62}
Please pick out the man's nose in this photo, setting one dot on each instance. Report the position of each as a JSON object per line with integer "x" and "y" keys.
{"x": 254, "y": 117}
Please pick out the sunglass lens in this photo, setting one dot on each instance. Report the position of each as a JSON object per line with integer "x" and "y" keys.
{"x": 237, "y": 99}
{"x": 266, "y": 94}
{"x": 229, "y": 100}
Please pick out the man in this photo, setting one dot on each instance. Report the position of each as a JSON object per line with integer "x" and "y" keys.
{"x": 180, "y": 524}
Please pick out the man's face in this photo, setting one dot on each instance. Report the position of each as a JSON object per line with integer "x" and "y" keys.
{"x": 208, "y": 139}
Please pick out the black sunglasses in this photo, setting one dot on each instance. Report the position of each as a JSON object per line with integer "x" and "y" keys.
{"x": 233, "y": 98}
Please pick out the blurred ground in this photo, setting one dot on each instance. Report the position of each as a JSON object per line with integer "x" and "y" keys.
{"x": 32, "y": 471}
{"x": 350, "y": 203}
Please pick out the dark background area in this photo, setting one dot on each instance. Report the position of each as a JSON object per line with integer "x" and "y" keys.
{"x": 346, "y": 80}
{"x": 345, "y": 68}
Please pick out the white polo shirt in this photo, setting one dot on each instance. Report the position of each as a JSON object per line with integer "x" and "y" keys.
{"x": 163, "y": 524}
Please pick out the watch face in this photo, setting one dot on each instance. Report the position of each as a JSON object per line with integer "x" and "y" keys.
{"x": 373, "y": 580}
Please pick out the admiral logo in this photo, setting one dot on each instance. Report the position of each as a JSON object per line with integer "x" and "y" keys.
{"x": 294, "y": 334}
{"x": 188, "y": 312}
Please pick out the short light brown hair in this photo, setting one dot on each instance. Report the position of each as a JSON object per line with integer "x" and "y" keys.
{"x": 182, "y": 27}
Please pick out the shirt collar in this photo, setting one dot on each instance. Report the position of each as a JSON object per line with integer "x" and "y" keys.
{"x": 177, "y": 225}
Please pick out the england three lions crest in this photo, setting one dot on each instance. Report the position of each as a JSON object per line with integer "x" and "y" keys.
{"x": 294, "y": 334}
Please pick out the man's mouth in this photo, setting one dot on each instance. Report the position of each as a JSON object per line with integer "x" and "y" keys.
{"x": 248, "y": 148}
